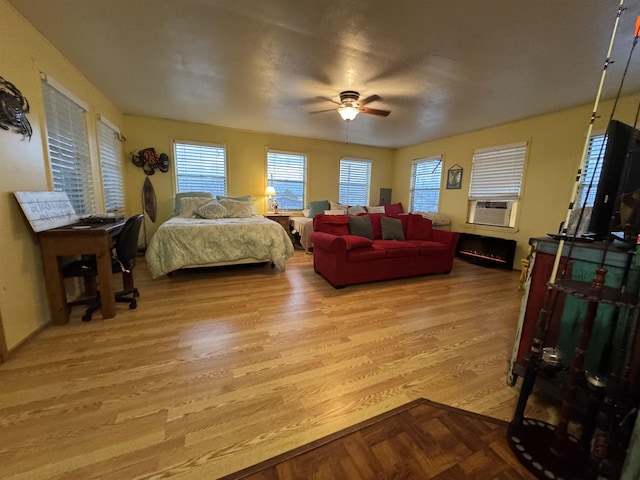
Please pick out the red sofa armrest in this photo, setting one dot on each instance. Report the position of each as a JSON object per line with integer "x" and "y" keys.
{"x": 338, "y": 244}
{"x": 446, "y": 237}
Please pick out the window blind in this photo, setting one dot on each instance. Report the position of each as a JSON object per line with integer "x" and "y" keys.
{"x": 592, "y": 170}
{"x": 355, "y": 182}
{"x": 287, "y": 173}
{"x": 497, "y": 173}
{"x": 111, "y": 164}
{"x": 68, "y": 149}
{"x": 426, "y": 178}
{"x": 201, "y": 168}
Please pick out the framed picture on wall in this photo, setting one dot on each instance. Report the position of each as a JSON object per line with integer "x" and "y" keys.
{"x": 454, "y": 177}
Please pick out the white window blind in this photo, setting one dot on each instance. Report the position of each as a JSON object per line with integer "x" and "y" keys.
{"x": 287, "y": 173}
{"x": 497, "y": 173}
{"x": 426, "y": 178}
{"x": 68, "y": 149}
{"x": 355, "y": 182}
{"x": 111, "y": 165}
{"x": 201, "y": 168}
{"x": 592, "y": 170}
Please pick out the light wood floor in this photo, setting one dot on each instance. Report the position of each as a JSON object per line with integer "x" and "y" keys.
{"x": 220, "y": 369}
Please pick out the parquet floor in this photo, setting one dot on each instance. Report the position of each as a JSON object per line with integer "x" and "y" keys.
{"x": 221, "y": 369}
{"x": 420, "y": 440}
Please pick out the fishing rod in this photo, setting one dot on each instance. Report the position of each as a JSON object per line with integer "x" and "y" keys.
{"x": 550, "y": 296}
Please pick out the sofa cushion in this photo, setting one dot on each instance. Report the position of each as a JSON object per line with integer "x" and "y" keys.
{"x": 318, "y": 206}
{"x": 365, "y": 254}
{"x": 391, "y": 228}
{"x": 393, "y": 248}
{"x": 361, "y": 225}
{"x": 418, "y": 228}
{"x": 333, "y": 224}
{"x": 356, "y": 241}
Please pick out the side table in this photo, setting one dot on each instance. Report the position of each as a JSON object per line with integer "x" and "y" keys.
{"x": 283, "y": 220}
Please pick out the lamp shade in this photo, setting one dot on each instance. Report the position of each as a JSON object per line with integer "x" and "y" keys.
{"x": 270, "y": 190}
{"x": 348, "y": 112}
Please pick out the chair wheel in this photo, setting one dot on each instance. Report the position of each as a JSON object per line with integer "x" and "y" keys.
{"x": 133, "y": 305}
{"x": 86, "y": 317}
{"x": 136, "y": 293}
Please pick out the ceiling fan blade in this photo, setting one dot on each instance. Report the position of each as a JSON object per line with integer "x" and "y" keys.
{"x": 375, "y": 111}
{"x": 323, "y": 111}
{"x": 370, "y": 99}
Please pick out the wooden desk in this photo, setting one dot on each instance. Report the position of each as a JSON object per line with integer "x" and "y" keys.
{"x": 68, "y": 241}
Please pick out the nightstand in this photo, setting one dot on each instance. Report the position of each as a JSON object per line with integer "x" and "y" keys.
{"x": 283, "y": 220}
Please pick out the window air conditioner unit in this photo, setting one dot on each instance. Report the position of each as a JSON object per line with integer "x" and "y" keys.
{"x": 493, "y": 213}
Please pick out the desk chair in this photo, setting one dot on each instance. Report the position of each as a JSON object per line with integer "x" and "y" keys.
{"x": 123, "y": 261}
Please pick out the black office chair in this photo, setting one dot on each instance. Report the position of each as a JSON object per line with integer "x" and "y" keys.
{"x": 126, "y": 250}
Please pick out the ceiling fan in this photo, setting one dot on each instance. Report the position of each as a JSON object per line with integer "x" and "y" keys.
{"x": 350, "y": 106}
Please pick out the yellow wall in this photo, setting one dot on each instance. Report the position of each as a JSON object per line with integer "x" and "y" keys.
{"x": 246, "y": 161}
{"x": 556, "y": 142}
{"x": 24, "y": 54}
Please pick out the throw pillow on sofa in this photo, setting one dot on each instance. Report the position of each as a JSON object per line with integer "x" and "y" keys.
{"x": 391, "y": 229}
{"x": 361, "y": 226}
{"x": 394, "y": 209}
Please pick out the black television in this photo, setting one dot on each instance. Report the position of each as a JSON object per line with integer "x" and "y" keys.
{"x": 616, "y": 208}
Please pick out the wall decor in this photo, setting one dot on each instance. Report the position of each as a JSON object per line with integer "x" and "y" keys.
{"x": 13, "y": 109}
{"x": 149, "y": 161}
{"x": 454, "y": 177}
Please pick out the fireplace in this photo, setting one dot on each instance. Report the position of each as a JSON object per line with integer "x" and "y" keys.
{"x": 486, "y": 251}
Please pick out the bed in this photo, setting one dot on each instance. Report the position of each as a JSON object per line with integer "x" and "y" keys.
{"x": 191, "y": 241}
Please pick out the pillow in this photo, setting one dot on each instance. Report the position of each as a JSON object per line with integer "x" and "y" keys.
{"x": 391, "y": 229}
{"x": 181, "y": 195}
{"x": 356, "y": 210}
{"x": 335, "y": 212}
{"x": 337, "y": 206}
{"x": 241, "y": 198}
{"x": 361, "y": 226}
{"x": 393, "y": 209}
{"x": 378, "y": 209}
{"x": 187, "y": 206}
{"x": 305, "y": 212}
{"x": 236, "y": 208}
{"x": 212, "y": 209}
{"x": 436, "y": 218}
{"x": 318, "y": 206}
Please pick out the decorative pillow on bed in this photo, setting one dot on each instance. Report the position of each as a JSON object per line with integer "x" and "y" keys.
{"x": 337, "y": 206}
{"x": 378, "y": 209}
{"x": 188, "y": 206}
{"x": 240, "y": 198}
{"x": 236, "y": 208}
{"x": 361, "y": 226}
{"x": 318, "y": 206}
{"x": 180, "y": 195}
{"x": 212, "y": 210}
{"x": 356, "y": 209}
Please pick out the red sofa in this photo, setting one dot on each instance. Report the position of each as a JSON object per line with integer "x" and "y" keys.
{"x": 346, "y": 259}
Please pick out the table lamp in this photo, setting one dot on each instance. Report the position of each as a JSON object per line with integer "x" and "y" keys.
{"x": 272, "y": 205}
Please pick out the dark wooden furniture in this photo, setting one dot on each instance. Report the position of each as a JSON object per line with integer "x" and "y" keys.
{"x": 70, "y": 241}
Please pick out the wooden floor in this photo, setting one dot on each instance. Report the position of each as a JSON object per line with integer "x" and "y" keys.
{"x": 220, "y": 369}
{"x": 420, "y": 440}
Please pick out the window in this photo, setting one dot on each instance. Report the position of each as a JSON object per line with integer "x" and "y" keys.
{"x": 111, "y": 164}
{"x": 592, "y": 170}
{"x": 426, "y": 176}
{"x": 496, "y": 182}
{"x": 68, "y": 148}
{"x": 287, "y": 173}
{"x": 355, "y": 182}
{"x": 201, "y": 168}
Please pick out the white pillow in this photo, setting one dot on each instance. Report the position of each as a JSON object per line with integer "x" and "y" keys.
{"x": 356, "y": 209}
{"x": 212, "y": 210}
{"x": 335, "y": 212}
{"x": 436, "y": 218}
{"x": 337, "y": 206}
{"x": 236, "y": 208}
{"x": 187, "y": 206}
{"x": 379, "y": 209}
{"x": 305, "y": 212}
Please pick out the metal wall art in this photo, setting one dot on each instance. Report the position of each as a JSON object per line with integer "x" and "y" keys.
{"x": 13, "y": 109}
{"x": 149, "y": 160}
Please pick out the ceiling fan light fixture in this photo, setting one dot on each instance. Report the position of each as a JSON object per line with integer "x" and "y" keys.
{"x": 348, "y": 112}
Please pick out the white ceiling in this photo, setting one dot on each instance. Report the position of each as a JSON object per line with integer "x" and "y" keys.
{"x": 442, "y": 67}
